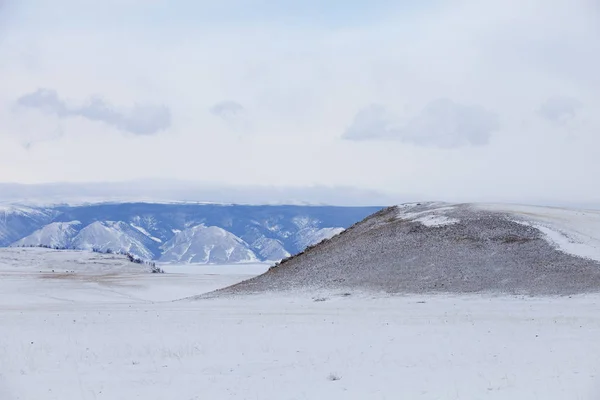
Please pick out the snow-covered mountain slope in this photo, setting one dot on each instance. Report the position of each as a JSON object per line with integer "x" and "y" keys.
{"x": 103, "y": 236}
{"x": 310, "y": 233}
{"x": 113, "y": 236}
{"x": 55, "y": 235}
{"x": 310, "y": 236}
{"x": 19, "y": 221}
{"x": 269, "y": 249}
{"x": 207, "y": 245}
{"x": 453, "y": 248}
{"x": 270, "y": 232}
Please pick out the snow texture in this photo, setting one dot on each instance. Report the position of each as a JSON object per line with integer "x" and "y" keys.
{"x": 113, "y": 236}
{"x": 59, "y": 262}
{"x": 119, "y": 335}
{"x": 310, "y": 236}
{"x": 207, "y": 245}
{"x": 55, "y": 234}
{"x": 432, "y": 217}
{"x": 19, "y": 221}
{"x": 270, "y": 249}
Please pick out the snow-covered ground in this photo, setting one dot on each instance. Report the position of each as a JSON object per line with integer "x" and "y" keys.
{"x": 122, "y": 336}
{"x": 37, "y": 276}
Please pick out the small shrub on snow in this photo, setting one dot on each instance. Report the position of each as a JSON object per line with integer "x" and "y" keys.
{"x": 333, "y": 377}
{"x": 156, "y": 270}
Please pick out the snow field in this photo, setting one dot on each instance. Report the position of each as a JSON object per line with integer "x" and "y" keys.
{"x": 266, "y": 347}
{"x": 124, "y": 335}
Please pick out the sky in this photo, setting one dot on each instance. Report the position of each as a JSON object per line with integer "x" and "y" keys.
{"x": 440, "y": 100}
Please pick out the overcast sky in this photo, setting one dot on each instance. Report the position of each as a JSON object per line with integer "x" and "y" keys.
{"x": 469, "y": 99}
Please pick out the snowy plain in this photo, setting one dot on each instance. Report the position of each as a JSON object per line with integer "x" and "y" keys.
{"x": 124, "y": 334}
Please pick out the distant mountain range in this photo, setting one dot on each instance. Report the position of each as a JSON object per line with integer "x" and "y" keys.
{"x": 178, "y": 233}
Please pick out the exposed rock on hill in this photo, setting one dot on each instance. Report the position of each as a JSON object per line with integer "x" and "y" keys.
{"x": 450, "y": 248}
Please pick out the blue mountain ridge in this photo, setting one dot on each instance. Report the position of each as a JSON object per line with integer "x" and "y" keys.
{"x": 152, "y": 225}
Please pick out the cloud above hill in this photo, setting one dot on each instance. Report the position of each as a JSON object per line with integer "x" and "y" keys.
{"x": 442, "y": 123}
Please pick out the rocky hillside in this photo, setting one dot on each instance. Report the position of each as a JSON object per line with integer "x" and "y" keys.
{"x": 450, "y": 248}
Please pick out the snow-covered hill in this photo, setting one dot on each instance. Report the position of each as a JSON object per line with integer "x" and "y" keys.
{"x": 207, "y": 245}
{"x": 204, "y": 233}
{"x": 111, "y": 235}
{"x": 269, "y": 249}
{"x": 31, "y": 261}
{"x": 19, "y": 221}
{"x": 55, "y": 234}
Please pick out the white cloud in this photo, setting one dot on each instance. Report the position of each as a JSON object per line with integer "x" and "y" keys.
{"x": 228, "y": 110}
{"x": 371, "y": 123}
{"x": 139, "y": 119}
{"x": 34, "y": 129}
{"x": 442, "y": 123}
{"x": 560, "y": 109}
